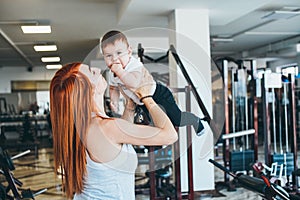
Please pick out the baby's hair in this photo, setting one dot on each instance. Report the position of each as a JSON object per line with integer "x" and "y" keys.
{"x": 111, "y": 37}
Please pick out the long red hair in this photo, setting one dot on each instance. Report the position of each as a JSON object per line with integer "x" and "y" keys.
{"x": 70, "y": 111}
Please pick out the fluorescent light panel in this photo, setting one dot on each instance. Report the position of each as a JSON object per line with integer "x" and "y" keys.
{"x": 36, "y": 29}
{"x": 222, "y": 39}
{"x": 291, "y": 8}
{"x": 45, "y": 47}
{"x": 298, "y": 47}
{"x": 50, "y": 59}
{"x": 270, "y": 33}
{"x": 280, "y": 14}
{"x": 56, "y": 66}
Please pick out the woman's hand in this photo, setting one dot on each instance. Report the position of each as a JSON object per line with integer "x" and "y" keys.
{"x": 146, "y": 85}
{"x": 129, "y": 110}
{"x": 129, "y": 103}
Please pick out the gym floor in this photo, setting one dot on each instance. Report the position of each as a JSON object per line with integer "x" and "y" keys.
{"x": 38, "y": 173}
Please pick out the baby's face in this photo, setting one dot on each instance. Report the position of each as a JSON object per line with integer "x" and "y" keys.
{"x": 117, "y": 53}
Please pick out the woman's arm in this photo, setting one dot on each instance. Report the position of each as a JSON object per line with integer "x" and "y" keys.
{"x": 129, "y": 110}
{"x": 114, "y": 94}
{"x": 163, "y": 132}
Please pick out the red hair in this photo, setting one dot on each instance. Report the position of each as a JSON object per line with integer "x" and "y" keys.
{"x": 70, "y": 111}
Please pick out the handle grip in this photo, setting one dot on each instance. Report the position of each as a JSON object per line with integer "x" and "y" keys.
{"x": 222, "y": 168}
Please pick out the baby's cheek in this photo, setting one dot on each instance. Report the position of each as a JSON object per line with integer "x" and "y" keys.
{"x": 108, "y": 64}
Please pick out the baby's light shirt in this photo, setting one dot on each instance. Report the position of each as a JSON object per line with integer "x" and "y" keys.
{"x": 134, "y": 65}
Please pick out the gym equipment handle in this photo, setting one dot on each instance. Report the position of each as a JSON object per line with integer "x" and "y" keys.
{"x": 20, "y": 154}
{"x": 238, "y": 134}
{"x": 40, "y": 192}
{"x": 222, "y": 168}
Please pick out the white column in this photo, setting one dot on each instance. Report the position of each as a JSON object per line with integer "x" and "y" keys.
{"x": 192, "y": 42}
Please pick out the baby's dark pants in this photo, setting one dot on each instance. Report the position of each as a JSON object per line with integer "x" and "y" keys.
{"x": 165, "y": 99}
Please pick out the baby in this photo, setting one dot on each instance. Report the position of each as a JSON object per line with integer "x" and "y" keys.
{"x": 126, "y": 73}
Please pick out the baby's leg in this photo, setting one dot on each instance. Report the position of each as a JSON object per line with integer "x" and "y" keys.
{"x": 164, "y": 97}
{"x": 188, "y": 118}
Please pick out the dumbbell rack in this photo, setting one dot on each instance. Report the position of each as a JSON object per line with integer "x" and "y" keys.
{"x": 7, "y": 166}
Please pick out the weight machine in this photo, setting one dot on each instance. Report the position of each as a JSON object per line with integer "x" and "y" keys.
{"x": 280, "y": 92}
{"x": 240, "y": 116}
{"x": 260, "y": 185}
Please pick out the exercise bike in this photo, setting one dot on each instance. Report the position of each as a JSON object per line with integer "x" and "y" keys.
{"x": 11, "y": 191}
{"x": 260, "y": 185}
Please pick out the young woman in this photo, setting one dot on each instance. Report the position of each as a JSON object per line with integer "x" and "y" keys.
{"x": 93, "y": 151}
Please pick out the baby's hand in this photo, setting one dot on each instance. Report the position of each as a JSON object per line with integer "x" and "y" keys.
{"x": 115, "y": 68}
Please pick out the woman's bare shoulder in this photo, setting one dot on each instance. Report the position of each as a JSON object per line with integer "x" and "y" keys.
{"x": 115, "y": 128}
{"x": 100, "y": 122}
{"x": 106, "y": 126}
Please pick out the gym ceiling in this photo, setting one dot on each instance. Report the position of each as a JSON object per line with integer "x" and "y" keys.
{"x": 241, "y": 29}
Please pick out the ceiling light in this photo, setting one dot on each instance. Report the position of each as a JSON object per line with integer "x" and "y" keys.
{"x": 50, "y": 59}
{"x": 271, "y": 33}
{"x": 280, "y": 14}
{"x": 298, "y": 47}
{"x": 56, "y": 66}
{"x": 36, "y": 29}
{"x": 222, "y": 39}
{"x": 45, "y": 47}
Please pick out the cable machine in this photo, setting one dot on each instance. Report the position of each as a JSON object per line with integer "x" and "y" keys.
{"x": 241, "y": 125}
{"x": 279, "y": 91}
